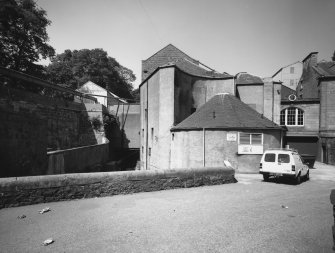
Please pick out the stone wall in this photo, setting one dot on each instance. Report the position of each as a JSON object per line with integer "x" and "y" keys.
{"x": 211, "y": 148}
{"x": 31, "y": 124}
{"x": 78, "y": 160}
{"x": 40, "y": 189}
{"x": 332, "y": 201}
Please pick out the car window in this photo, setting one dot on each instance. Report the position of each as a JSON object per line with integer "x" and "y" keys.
{"x": 270, "y": 157}
{"x": 283, "y": 158}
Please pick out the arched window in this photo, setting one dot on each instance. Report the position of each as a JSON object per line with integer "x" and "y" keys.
{"x": 292, "y": 116}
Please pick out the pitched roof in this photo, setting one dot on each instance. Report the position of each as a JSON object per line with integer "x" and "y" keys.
{"x": 225, "y": 111}
{"x": 170, "y": 55}
{"x": 307, "y": 87}
{"x": 284, "y": 67}
{"x": 167, "y": 54}
{"x": 195, "y": 70}
{"x": 286, "y": 92}
{"x": 88, "y": 91}
{"x": 245, "y": 78}
{"x": 325, "y": 68}
{"x": 171, "y": 52}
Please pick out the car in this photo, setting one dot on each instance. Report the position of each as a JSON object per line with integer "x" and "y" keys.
{"x": 283, "y": 163}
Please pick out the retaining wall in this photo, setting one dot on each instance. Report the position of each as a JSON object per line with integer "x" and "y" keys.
{"x": 332, "y": 201}
{"x": 31, "y": 124}
{"x": 40, "y": 189}
{"x": 77, "y": 160}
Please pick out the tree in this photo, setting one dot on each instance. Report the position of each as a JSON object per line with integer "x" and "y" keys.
{"x": 23, "y": 36}
{"x": 136, "y": 95}
{"x": 333, "y": 58}
{"x": 76, "y": 67}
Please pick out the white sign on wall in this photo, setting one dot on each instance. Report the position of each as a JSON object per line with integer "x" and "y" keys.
{"x": 231, "y": 136}
{"x": 250, "y": 149}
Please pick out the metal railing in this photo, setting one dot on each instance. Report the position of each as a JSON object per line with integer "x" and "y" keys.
{"x": 35, "y": 80}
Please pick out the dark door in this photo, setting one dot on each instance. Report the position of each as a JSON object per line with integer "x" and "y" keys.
{"x": 304, "y": 145}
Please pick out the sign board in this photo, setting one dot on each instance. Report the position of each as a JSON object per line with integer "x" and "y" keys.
{"x": 250, "y": 149}
{"x": 231, "y": 136}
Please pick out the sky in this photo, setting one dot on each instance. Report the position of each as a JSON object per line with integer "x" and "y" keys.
{"x": 254, "y": 36}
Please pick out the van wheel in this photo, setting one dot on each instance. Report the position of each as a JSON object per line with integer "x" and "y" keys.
{"x": 307, "y": 176}
{"x": 266, "y": 177}
{"x": 298, "y": 179}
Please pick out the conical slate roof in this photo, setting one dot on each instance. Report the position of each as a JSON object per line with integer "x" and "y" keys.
{"x": 225, "y": 111}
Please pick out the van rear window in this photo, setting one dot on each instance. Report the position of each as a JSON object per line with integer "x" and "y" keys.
{"x": 283, "y": 158}
{"x": 270, "y": 157}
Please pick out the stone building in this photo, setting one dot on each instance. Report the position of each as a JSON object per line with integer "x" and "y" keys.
{"x": 223, "y": 129}
{"x": 175, "y": 86}
{"x": 326, "y": 91}
{"x": 308, "y": 113}
{"x": 103, "y": 96}
{"x": 171, "y": 92}
{"x": 265, "y": 98}
{"x": 289, "y": 75}
{"x": 128, "y": 115}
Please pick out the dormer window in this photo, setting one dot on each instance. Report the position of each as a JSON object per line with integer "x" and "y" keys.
{"x": 292, "y": 116}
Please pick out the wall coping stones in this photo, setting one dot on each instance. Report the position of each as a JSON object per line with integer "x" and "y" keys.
{"x": 54, "y": 152}
{"x": 38, "y": 189}
{"x": 332, "y": 201}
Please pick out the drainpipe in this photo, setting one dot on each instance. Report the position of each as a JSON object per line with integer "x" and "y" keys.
{"x": 203, "y": 148}
{"x": 281, "y": 138}
{"x": 147, "y": 119}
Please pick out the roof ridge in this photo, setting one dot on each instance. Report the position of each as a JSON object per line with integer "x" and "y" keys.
{"x": 165, "y": 48}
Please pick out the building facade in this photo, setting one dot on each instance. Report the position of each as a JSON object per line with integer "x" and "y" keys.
{"x": 289, "y": 75}
{"x": 173, "y": 92}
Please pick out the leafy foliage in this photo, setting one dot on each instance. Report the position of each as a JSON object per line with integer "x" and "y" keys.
{"x": 333, "y": 57}
{"x": 136, "y": 95}
{"x": 23, "y": 36}
{"x": 76, "y": 67}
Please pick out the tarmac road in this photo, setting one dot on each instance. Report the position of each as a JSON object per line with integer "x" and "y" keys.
{"x": 244, "y": 217}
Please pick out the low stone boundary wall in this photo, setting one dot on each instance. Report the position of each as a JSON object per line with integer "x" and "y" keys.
{"x": 332, "y": 201}
{"x": 40, "y": 189}
{"x": 77, "y": 160}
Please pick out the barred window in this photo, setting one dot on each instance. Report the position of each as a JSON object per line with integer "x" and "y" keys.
{"x": 292, "y": 116}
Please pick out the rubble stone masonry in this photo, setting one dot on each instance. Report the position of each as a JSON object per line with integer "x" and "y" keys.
{"x": 31, "y": 124}
{"x": 40, "y": 189}
{"x": 332, "y": 201}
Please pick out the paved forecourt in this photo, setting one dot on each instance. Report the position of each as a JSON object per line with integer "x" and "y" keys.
{"x": 249, "y": 216}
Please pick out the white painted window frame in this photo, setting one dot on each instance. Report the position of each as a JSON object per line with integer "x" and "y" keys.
{"x": 296, "y": 117}
{"x": 250, "y": 148}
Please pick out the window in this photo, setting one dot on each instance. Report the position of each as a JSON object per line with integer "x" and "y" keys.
{"x": 291, "y": 82}
{"x": 292, "y": 116}
{"x": 270, "y": 157}
{"x": 250, "y": 143}
{"x": 283, "y": 158}
{"x": 292, "y": 70}
{"x": 250, "y": 139}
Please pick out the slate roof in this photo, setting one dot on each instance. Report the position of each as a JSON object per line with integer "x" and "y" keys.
{"x": 245, "y": 78}
{"x": 170, "y": 55}
{"x": 307, "y": 87}
{"x": 195, "y": 70}
{"x": 286, "y": 91}
{"x": 325, "y": 68}
{"x": 167, "y": 54}
{"x": 225, "y": 111}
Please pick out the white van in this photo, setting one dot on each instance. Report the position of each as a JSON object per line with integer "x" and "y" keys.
{"x": 283, "y": 162}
